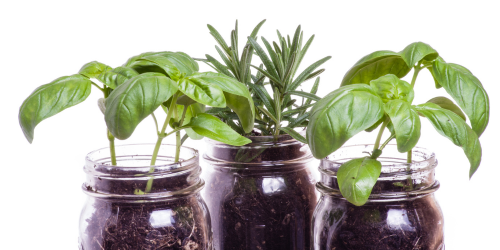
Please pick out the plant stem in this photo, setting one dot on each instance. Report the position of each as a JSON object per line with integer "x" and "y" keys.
{"x": 110, "y": 136}
{"x": 408, "y": 156}
{"x": 97, "y": 86}
{"x": 111, "y": 139}
{"x": 163, "y": 129}
{"x": 387, "y": 141}
{"x": 178, "y": 135}
{"x": 380, "y": 133}
{"x": 415, "y": 74}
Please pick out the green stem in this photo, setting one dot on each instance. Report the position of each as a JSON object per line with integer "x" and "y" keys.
{"x": 97, "y": 86}
{"x": 387, "y": 141}
{"x": 380, "y": 133}
{"x": 163, "y": 129}
{"x": 408, "y": 156}
{"x": 415, "y": 74}
{"x": 111, "y": 139}
{"x": 156, "y": 122}
{"x": 110, "y": 136}
{"x": 178, "y": 142}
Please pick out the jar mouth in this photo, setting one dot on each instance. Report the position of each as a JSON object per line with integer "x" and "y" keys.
{"x": 134, "y": 160}
{"x": 262, "y": 140}
{"x": 392, "y": 160}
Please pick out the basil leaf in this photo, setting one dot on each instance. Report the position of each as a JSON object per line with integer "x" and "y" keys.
{"x": 202, "y": 91}
{"x": 466, "y": 90}
{"x": 340, "y": 115}
{"x": 415, "y": 52}
{"x": 356, "y": 179}
{"x": 237, "y": 96}
{"x": 101, "y": 103}
{"x": 134, "y": 100}
{"x": 192, "y": 111}
{"x": 375, "y": 65}
{"x": 406, "y": 124}
{"x": 390, "y": 87}
{"x": 448, "y": 104}
{"x": 453, "y": 127}
{"x": 213, "y": 128}
{"x": 116, "y": 76}
{"x": 94, "y": 69}
{"x": 50, "y": 99}
{"x": 159, "y": 61}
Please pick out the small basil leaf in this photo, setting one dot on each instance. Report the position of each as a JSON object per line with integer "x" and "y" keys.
{"x": 116, "y": 76}
{"x": 213, "y": 128}
{"x": 134, "y": 100}
{"x": 202, "y": 92}
{"x": 162, "y": 62}
{"x": 406, "y": 124}
{"x": 356, "y": 179}
{"x": 448, "y": 104}
{"x": 102, "y": 105}
{"x": 466, "y": 90}
{"x": 340, "y": 115}
{"x": 237, "y": 96}
{"x": 453, "y": 127}
{"x": 192, "y": 111}
{"x": 390, "y": 87}
{"x": 375, "y": 65}
{"x": 93, "y": 69}
{"x": 50, "y": 99}
{"x": 415, "y": 52}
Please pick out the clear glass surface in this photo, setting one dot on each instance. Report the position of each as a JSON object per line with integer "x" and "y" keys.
{"x": 401, "y": 213}
{"x": 261, "y": 195}
{"x": 117, "y": 216}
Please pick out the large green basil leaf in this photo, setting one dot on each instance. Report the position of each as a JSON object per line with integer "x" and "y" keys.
{"x": 94, "y": 69}
{"x": 162, "y": 62}
{"x": 375, "y": 65}
{"x": 405, "y": 122}
{"x": 390, "y": 87}
{"x": 116, "y": 76}
{"x": 134, "y": 100}
{"x": 415, "y": 52}
{"x": 237, "y": 96}
{"x": 213, "y": 128}
{"x": 356, "y": 179}
{"x": 448, "y": 104}
{"x": 340, "y": 115}
{"x": 50, "y": 99}
{"x": 453, "y": 127}
{"x": 202, "y": 91}
{"x": 466, "y": 90}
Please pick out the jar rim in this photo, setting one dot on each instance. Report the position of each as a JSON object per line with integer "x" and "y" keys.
{"x": 424, "y": 160}
{"x": 260, "y": 140}
{"x": 100, "y": 165}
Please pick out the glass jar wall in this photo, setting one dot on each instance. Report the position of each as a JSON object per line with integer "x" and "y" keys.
{"x": 400, "y": 214}
{"x": 261, "y": 195}
{"x": 119, "y": 214}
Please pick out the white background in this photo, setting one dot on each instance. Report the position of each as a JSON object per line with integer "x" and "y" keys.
{"x": 40, "y": 184}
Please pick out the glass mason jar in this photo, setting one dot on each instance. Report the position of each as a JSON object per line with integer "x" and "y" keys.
{"x": 401, "y": 212}
{"x": 261, "y": 195}
{"x": 117, "y": 215}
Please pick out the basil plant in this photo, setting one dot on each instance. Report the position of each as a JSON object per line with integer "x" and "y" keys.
{"x": 372, "y": 95}
{"x": 136, "y": 90}
{"x": 282, "y": 60}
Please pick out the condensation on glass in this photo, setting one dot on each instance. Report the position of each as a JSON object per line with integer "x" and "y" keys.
{"x": 261, "y": 195}
{"x": 119, "y": 215}
{"x": 401, "y": 213}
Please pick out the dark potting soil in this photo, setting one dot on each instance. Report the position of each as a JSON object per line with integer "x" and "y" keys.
{"x": 160, "y": 225}
{"x": 267, "y": 207}
{"x": 413, "y": 225}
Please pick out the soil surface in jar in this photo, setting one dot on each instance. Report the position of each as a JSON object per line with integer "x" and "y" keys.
{"x": 163, "y": 225}
{"x": 412, "y": 225}
{"x": 261, "y": 209}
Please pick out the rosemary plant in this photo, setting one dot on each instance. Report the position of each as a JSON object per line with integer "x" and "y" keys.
{"x": 280, "y": 67}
